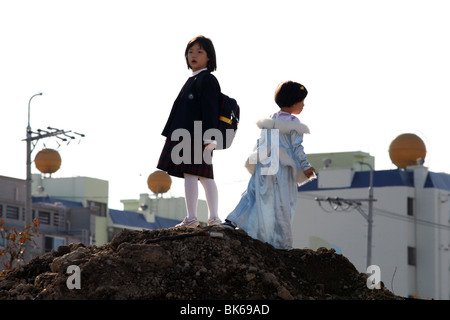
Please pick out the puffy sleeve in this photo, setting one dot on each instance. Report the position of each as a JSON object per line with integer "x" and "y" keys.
{"x": 299, "y": 153}
{"x": 300, "y": 159}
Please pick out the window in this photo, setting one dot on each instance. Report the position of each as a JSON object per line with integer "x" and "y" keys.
{"x": 52, "y": 243}
{"x": 97, "y": 208}
{"x": 12, "y": 212}
{"x": 411, "y": 256}
{"x": 1, "y": 210}
{"x": 44, "y": 217}
{"x": 410, "y": 206}
{"x": 56, "y": 219}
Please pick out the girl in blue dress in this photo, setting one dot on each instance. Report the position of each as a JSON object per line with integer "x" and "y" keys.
{"x": 278, "y": 165}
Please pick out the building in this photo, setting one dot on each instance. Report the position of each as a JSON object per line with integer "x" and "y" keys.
{"x": 152, "y": 212}
{"x": 172, "y": 208}
{"x": 410, "y": 230}
{"x": 90, "y": 193}
{"x": 144, "y": 213}
{"x": 60, "y": 221}
{"x": 75, "y": 209}
{"x": 155, "y": 211}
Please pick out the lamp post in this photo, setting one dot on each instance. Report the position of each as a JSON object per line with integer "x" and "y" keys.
{"x": 35, "y": 136}
{"x": 28, "y": 180}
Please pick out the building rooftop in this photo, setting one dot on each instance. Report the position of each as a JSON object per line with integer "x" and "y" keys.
{"x": 51, "y": 200}
{"x": 387, "y": 178}
{"x": 438, "y": 181}
{"x": 137, "y": 220}
{"x": 118, "y": 217}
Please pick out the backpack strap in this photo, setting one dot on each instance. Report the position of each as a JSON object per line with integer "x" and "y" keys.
{"x": 226, "y": 120}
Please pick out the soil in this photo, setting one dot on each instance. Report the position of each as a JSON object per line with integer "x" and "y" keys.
{"x": 185, "y": 263}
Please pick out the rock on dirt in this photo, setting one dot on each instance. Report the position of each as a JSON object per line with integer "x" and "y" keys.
{"x": 188, "y": 263}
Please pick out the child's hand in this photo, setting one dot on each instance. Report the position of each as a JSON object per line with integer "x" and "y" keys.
{"x": 211, "y": 146}
{"x": 310, "y": 172}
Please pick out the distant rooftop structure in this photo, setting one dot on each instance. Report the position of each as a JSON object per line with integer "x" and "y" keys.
{"x": 135, "y": 220}
{"x": 381, "y": 178}
{"x": 348, "y": 159}
{"x": 51, "y": 200}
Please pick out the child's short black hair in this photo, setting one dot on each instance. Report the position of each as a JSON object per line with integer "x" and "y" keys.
{"x": 289, "y": 93}
{"x": 208, "y": 46}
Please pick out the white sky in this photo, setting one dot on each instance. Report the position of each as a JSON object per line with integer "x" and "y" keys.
{"x": 112, "y": 69}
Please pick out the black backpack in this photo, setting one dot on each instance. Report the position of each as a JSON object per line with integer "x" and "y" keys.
{"x": 228, "y": 120}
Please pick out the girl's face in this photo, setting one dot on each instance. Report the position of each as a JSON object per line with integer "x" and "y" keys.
{"x": 197, "y": 57}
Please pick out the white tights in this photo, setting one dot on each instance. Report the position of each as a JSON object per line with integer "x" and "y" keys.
{"x": 191, "y": 193}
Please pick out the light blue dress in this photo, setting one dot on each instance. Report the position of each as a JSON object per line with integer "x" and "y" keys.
{"x": 266, "y": 209}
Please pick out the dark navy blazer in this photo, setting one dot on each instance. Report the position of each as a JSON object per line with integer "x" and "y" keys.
{"x": 198, "y": 100}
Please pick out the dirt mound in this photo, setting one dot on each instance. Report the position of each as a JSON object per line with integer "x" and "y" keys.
{"x": 188, "y": 264}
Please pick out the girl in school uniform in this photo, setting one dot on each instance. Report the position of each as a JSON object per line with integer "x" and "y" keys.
{"x": 278, "y": 165}
{"x": 195, "y": 110}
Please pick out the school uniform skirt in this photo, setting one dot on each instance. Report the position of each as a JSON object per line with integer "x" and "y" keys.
{"x": 165, "y": 163}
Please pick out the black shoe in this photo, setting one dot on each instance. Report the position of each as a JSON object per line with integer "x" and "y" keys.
{"x": 228, "y": 224}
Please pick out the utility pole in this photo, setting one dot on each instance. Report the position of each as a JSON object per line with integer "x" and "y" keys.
{"x": 28, "y": 179}
{"x": 356, "y": 203}
{"x": 35, "y": 136}
{"x": 370, "y": 215}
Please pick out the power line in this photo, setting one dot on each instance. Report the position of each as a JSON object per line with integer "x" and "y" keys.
{"x": 378, "y": 212}
{"x": 397, "y": 216}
